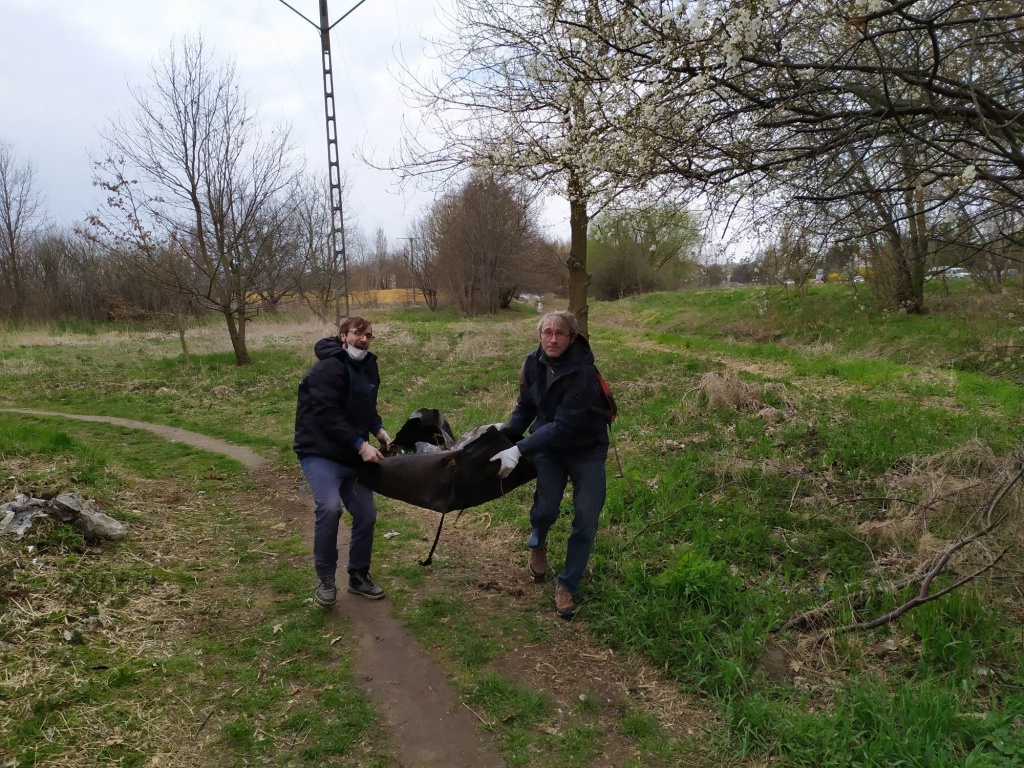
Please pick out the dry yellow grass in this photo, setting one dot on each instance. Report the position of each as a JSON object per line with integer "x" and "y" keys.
{"x": 942, "y": 498}
{"x": 726, "y": 390}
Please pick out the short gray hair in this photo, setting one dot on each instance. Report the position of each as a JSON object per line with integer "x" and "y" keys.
{"x": 562, "y": 318}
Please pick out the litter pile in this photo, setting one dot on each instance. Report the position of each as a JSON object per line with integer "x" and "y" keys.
{"x": 17, "y": 516}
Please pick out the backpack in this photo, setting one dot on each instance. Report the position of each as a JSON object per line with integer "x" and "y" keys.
{"x": 611, "y": 409}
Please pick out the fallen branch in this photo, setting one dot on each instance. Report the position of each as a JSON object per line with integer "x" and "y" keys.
{"x": 885, "y": 500}
{"x": 925, "y": 575}
{"x": 921, "y": 598}
{"x": 816, "y": 617}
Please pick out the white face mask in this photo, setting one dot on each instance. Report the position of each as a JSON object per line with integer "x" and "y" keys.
{"x": 355, "y": 353}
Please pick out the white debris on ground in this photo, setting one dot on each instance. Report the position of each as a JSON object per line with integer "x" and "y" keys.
{"x": 17, "y": 516}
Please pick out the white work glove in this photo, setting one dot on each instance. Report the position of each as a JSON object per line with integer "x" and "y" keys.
{"x": 384, "y": 438}
{"x": 508, "y": 458}
{"x": 370, "y": 454}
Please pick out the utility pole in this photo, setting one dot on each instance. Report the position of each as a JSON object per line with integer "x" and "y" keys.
{"x": 334, "y": 168}
{"x": 412, "y": 267}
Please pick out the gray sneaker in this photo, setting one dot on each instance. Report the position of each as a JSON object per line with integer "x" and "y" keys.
{"x": 326, "y": 593}
{"x": 362, "y": 584}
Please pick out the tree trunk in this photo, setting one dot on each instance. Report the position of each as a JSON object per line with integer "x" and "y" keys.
{"x": 179, "y": 326}
{"x": 184, "y": 346}
{"x": 914, "y": 256}
{"x": 236, "y": 330}
{"x": 579, "y": 280}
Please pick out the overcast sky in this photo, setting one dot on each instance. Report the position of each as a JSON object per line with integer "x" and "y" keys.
{"x": 66, "y": 65}
{"x": 65, "y": 68}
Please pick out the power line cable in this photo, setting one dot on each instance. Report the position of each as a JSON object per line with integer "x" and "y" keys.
{"x": 355, "y": 95}
{"x": 295, "y": 77}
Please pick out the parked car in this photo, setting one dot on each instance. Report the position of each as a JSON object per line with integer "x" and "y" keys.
{"x": 952, "y": 273}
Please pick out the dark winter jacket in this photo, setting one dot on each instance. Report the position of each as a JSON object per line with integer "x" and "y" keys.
{"x": 566, "y": 416}
{"x": 337, "y": 405}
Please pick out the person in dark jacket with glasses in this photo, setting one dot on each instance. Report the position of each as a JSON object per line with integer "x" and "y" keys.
{"x": 335, "y": 415}
{"x": 562, "y": 404}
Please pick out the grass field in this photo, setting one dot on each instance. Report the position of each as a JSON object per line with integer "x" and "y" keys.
{"x": 782, "y": 457}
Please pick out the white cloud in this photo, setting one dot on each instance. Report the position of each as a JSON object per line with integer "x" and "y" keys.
{"x": 67, "y": 67}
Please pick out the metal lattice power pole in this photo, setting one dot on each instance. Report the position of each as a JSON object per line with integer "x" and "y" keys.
{"x": 333, "y": 166}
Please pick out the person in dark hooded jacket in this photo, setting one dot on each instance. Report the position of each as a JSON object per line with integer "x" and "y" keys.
{"x": 335, "y": 415}
{"x": 562, "y": 404}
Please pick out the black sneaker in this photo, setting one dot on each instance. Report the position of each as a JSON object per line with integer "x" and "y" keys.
{"x": 326, "y": 593}
{"x": 362, "y": 584}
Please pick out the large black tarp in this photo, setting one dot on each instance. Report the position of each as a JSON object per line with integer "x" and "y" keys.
{"x": 445, "y": 479}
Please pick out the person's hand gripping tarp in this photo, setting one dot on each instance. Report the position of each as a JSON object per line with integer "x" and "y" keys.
{"x": 509, "y": 459}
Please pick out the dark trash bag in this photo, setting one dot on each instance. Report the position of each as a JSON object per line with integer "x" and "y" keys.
{"x": 460, "y": 477}
{"x": 426, "y": 425}
{"x": 448, "y": 480}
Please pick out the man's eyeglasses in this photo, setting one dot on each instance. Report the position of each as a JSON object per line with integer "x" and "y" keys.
{"x": 554, "y": 334}
{"x": 364, "y": 334}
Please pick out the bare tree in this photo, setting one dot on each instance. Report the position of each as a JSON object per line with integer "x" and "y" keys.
{"x": 791, "y": 259}
{"x": 425, "y": 263}
{"x": 72, "y": 279}
{"x": 196, "y": 193}
{"x": 483, "y": 235}
{"x": 643, "y": 249}
{"x": 322, "y": 285}
{"x": 21, "y": 216}
{"x": 381, "y": 260}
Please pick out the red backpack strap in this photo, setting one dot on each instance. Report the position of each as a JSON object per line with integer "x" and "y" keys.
{"x": 611, "y": 409}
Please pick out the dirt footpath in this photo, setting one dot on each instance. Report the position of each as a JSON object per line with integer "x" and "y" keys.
{"x": 428, "y": 721}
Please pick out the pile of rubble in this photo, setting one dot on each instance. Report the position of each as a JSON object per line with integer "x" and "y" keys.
{"x": 17, "y": 516}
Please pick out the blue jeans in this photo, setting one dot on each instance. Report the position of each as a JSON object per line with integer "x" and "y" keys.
{"x": 588, "y": 492}
{"x": 333, "y": 484}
